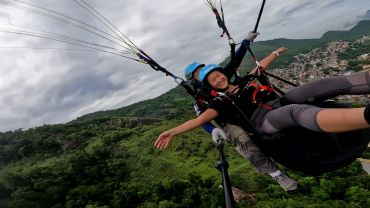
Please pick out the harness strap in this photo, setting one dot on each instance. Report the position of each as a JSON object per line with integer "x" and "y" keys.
{"x": 265, "y": 106}
{"x": 258, "y": 88}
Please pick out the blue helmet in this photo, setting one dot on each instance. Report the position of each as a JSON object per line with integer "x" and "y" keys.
{"x": 206, "y": 70}
{"x": 189, "y": 70}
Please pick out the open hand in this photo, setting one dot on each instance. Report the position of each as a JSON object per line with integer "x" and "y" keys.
{"x": 163, "y": 140}
{"x": 281, "y": 50}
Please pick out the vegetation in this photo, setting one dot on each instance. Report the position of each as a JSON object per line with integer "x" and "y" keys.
{"x": 107, "y": 159}
{"x": 353, "y": 53}
{"x": 118, "y": 166}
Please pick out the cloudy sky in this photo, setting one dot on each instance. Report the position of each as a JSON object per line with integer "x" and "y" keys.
{"x": 48, "y": 82}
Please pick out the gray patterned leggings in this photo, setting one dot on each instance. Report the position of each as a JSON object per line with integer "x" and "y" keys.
{"x": 299, "y": 114}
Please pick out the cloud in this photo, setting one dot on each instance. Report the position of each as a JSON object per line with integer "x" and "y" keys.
{"x": 45, "y": 86}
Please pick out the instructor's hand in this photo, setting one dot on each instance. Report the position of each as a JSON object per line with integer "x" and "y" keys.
{"x": 218, "y": 135}
{"x": 164, "y": 139}
{"x": 252, "y": 35}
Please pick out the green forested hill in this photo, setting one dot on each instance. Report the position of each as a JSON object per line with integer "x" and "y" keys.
{"x": 173, "y": 104}
{"x": 107, "y": 159}
{"x": 356, "y": 32}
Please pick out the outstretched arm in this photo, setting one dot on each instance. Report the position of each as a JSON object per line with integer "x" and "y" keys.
{"x": 269, "y": 59}
{"x": 199, "y": 109}
{"x": 164, "y": 139}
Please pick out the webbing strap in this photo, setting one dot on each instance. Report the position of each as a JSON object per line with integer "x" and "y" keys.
{"x": 221, "y": 23}
{"x": 259, "y": 16}
{"x": 147, "y": 59}
{"x": 258, "y": 88}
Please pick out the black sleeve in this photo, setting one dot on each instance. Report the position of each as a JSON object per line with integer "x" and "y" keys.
{"x": 217, "y": 105}
{"x": 231, "y": 67}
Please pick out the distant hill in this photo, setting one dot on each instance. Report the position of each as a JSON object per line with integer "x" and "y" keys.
{"x": 170, "y": 105}
{"x": 362, "y": 28}
{"x": 297, "y": 46}
{"x": 367, "y": 15}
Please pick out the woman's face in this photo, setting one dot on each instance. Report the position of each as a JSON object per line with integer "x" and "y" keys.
{"x": 217, "y": 80}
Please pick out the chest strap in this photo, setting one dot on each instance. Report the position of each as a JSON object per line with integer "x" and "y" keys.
{"x": 260, "y": 88}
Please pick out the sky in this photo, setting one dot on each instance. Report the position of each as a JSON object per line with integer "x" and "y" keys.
{"x": 49, "y": 82}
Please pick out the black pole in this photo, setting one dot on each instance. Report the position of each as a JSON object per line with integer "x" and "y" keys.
{"x": 259, "y": 16}
{"x": 222, "y": 166}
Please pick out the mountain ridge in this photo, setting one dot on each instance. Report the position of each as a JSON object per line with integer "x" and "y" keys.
{"x": 367, "y": 15}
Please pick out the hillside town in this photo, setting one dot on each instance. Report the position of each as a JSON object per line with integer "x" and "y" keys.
{"x": 324, "y": 62}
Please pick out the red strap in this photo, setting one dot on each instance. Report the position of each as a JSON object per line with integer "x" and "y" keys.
{"x": 254, "y": 95}
{"x": 265, "y": 106}
{"x": 257, "y": 89}
{"x": 254, "y": 85}
{"x": 268, "y": 88}
{"x": 214, "y": 93}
